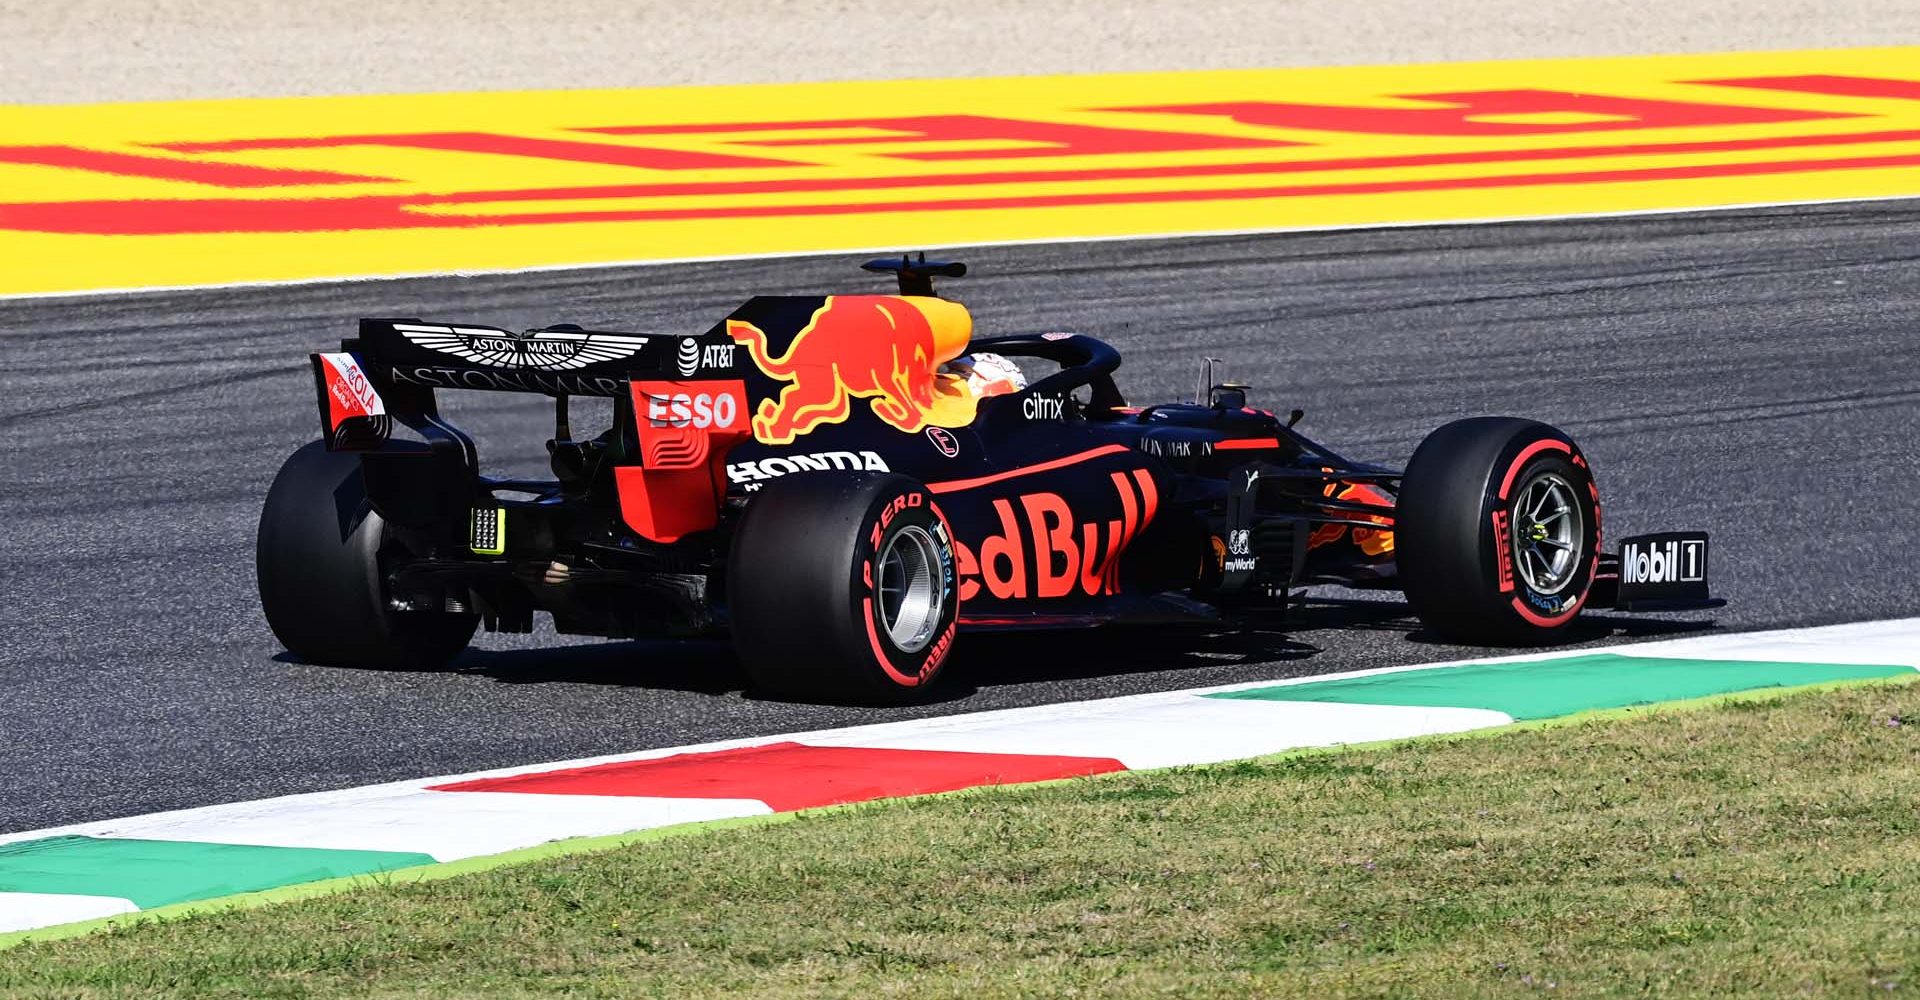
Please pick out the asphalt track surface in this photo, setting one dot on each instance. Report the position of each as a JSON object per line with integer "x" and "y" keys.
{"x": 1756, "y": 374}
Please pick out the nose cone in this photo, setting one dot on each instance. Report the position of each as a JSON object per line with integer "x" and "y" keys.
{"x": 950, "y": 323}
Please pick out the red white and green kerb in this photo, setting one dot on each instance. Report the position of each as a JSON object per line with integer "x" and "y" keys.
{"x": 107, "y": 868}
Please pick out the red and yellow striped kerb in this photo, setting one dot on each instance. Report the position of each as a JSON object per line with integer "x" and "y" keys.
{"x": 214, "y": 192}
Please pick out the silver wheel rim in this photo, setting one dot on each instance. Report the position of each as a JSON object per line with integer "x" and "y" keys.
{"x": 1547, "y": 533}
{"x": 910, "y": 588}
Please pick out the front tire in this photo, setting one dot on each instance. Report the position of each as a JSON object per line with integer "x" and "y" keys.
{"x": 843, "y": 589}
{"x": 317, "y": 560}
{"x": 1497, "y": 530}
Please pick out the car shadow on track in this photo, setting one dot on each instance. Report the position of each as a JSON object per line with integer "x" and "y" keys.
{"x": 1395, "y": 616}
{"x": 985, "y": 660}
{"x": 989, "y": 659}
{"x": 696, "y": 666}
{"x": 1012, "y": 659}
{"x": 1588, "y": 628}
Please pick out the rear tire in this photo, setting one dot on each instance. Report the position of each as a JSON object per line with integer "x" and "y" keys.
{"x": 842, "y": 589}
{"x": 317, "y": 559}
{"x": 1497, "y": 531}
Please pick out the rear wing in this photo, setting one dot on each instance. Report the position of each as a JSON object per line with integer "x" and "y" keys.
{"x": 556, "y": 360}
{"x": 394, "y": 365}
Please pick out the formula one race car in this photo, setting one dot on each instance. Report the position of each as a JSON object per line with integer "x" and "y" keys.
{"x": 845, "y": 482}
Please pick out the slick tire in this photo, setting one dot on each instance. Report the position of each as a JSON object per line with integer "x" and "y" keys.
{"x": 1497, "y": 531}
{"x": 317, "y": 559}
{"x": 842, "y": 589}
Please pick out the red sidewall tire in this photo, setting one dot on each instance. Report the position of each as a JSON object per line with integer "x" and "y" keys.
{"x": 911, "y": 509}
{"x": 1455, "y": 523}
{"x": 803, "y": 589}
{"x": 1540, "y": 609}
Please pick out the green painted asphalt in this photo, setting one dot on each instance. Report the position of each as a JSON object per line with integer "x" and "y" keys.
{"x": 157, "y": 872}
{"x": 1546, "y": 689}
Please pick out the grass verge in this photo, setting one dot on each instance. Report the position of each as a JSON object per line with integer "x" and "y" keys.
{"x": 1759, "y": 847}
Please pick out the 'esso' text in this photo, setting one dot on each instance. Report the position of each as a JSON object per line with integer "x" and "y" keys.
{"x": 699, "y": 410}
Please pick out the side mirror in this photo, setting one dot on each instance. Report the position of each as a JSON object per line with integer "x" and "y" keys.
{"x": 1228, "y": 396}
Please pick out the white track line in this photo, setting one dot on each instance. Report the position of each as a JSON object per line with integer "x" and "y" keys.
{"x": 24, "y": 911}
{"x": 1162, "y": 732}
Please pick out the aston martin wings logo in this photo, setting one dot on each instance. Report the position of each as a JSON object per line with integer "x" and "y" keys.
{"x": 546, "y": 350}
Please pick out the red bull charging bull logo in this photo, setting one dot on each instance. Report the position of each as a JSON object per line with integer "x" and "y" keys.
{"x": 886, "y": 349}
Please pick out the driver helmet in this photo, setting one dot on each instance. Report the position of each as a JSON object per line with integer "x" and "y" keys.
{"x": 988, "y": 374}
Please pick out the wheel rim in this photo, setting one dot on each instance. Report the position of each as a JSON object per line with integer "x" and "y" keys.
{"x": 911, "y": 588}
{"x": 1547, "y": 532}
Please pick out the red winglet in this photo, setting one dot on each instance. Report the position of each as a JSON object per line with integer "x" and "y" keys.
{"x": 685, "y": 429}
